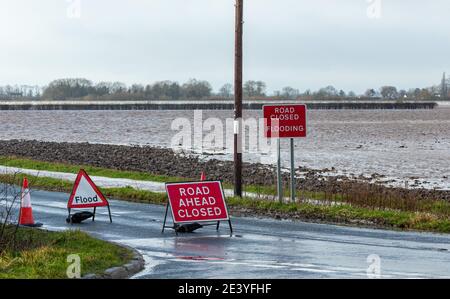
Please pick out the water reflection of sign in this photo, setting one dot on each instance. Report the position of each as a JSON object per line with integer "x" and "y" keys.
{"x": 204, "y": 249}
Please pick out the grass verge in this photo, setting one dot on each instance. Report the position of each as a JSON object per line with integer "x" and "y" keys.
{"x": 347, "y": 214}
{"x": 341, "y": 213}
{"x": 95, "y": 171}
{"x": 39, "y": 254}
{"x": 114, "y": 173}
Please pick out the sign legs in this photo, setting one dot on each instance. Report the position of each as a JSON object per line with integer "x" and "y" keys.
{"x": 279, "y": 173}
{"x": 109, "y": 211}
{"x": 279, "y": 176}
{"x": 70, "y": 218}
{"x": 165, "y": 218}
{"x": 93, "y": 217}
{"x": 292, "y": 170}
{"x": 231, "y": 227}
{"x": 165, "y": 222}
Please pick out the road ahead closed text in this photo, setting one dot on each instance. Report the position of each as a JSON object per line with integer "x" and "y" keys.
{"x": 193, "y": 202}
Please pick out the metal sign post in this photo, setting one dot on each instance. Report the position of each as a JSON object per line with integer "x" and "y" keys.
{"x": 279, "y": 175}
{"x": 292, "y": 171}
{"x": 285, "y": 121}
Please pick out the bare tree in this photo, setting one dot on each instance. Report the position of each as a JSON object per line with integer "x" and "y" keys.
{"x": 103, "y": 88}
{"x": 63, "y": 89}
{"x": 163, "y": 90}
{"x": 326, "y": 92}
{"x": 226, "y": 90}
{"x": 10, "y": 197}
{"x": 118, "y": 88}
{"x": 351, "y": 94}
{"x": 402, "y": 94}
{"x": 261, "y": 88}
{"x": 389, "y": 92}
{"x": 137, "y": 89}
{"x": 370, "y": 93}
{"x": 254, "y": 88}
{"x": 196, "y": 89}
{"x": 290, "y": 92}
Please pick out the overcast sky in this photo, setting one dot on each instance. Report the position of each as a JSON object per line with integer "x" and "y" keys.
{"x": 306, "y": 44}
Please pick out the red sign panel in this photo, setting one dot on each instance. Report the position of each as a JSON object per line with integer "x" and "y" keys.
{"x": 86, "y": 194}
{"x": 285, "y": 121}
{"x": 197, "y": 202}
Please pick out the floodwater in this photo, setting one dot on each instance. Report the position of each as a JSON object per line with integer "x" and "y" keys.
{"x": 404, "y": 145}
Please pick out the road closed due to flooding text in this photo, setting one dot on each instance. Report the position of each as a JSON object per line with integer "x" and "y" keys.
{"x": 196, "y": 202}
{"x": 285, "y": 121}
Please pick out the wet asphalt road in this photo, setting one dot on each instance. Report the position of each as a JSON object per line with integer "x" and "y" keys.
{"x": 259, "y": 248}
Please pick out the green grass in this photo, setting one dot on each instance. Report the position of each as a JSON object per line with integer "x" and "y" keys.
{"x": 133, "y": 175}
{"x": 343, "y": 213}
{"x": 43, "y": 255}
{"x": 272, "y": 190}
{"x": 95, "y": 171}
{"x": 59, "y": 185}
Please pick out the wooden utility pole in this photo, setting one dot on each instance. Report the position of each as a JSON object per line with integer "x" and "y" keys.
{"x": 238, "y": 100}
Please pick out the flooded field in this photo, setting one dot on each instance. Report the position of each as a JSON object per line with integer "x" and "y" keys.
{"x": 401, "y": 146}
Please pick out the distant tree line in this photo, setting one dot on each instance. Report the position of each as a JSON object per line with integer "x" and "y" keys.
{"x": 81, "y": 88}
{"x": 391, "y": 93}
{"x": 64, "y": 89}
{"x": 20, "y": 91}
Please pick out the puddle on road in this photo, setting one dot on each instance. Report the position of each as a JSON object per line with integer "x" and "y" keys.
{"x": 200, "y": 258}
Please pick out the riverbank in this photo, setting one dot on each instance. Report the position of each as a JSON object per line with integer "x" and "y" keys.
{"x": 39, "y": 254}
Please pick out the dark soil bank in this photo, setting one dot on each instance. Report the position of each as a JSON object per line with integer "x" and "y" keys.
{"x": 153, "y": 160}
{"x": 161, "y": 161}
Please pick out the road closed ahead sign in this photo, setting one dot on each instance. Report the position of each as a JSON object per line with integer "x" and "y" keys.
{"x": 285, "y": 121}
{"x": 197, "y": 202}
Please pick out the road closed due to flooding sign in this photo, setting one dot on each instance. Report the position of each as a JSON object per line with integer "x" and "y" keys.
{"x": 197, "y": 202}
{"x": 285, "y": 121}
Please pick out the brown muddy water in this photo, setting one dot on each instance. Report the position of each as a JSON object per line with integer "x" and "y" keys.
{"x": 404, "y": 146}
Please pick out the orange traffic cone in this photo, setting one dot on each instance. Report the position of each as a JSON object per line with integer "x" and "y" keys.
{"x": 203, "y": 177}
{"x": 26, "y": 211}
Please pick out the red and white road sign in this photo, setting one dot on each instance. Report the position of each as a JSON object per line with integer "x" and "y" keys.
{"x": 285, "y": 121}
{"x": 197, "y": 202}
{"x": 86, "y": 194}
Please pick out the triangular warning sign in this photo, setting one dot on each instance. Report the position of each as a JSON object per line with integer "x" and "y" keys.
{"x": 86, "y": 194}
